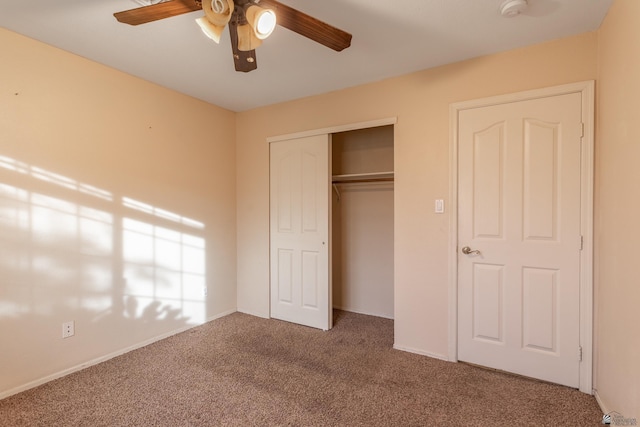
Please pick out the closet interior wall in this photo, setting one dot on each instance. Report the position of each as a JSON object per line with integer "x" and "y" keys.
{"x": 362, "y": 221}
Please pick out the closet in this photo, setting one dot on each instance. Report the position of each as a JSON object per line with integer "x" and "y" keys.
{"x": 362, "y": 221}
{"x": 331, "y": 224}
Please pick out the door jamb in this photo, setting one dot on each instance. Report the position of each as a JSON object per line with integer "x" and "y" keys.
{"x": 587, "y": 91}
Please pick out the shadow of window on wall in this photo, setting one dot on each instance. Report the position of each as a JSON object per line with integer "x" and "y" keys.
{"x": 71, "y": 247}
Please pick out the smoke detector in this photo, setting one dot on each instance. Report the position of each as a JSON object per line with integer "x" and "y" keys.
{"x": 511, "y": 8}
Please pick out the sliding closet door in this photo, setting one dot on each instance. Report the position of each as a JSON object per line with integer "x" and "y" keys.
{"x": 299, "y": 216}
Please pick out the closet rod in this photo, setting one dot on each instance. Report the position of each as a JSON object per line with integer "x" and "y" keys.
{"x": 337, "y": 182}
{"x": 363, "y": 177}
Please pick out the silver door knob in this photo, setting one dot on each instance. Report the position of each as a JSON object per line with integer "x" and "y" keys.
{"x": 467, "y": 251}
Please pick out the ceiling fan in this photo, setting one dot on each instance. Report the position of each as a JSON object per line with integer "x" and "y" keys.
{"x": 249, "y": 22}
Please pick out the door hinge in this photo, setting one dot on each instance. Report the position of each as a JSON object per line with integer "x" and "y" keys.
{"x": 581, "y": 130}
{"x": 581, "y": 242}
{"x": 580, "y": 354}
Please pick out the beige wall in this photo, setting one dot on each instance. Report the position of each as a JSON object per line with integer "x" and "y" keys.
{"x": 617, "y": 378}
{"x": 75, "y": 139}
{"x": 420, "y": 102}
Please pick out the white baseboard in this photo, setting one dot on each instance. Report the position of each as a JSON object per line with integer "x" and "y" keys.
{"x": 219, "y": 315}
{"x": 101, "y": 359}
{"x": 603, "y": 407}
{"x": 351, "y": 310}
{"x": 421, "y": 352}
{"x": 253, "y": 313}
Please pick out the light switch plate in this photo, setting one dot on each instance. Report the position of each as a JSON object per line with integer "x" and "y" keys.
{"x": 439, "y": 206}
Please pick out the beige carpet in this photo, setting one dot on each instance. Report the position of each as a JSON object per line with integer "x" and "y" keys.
{"x": 246, "y": 371}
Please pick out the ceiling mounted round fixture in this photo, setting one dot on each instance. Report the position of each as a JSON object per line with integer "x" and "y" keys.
{"x": 511, "y": 8}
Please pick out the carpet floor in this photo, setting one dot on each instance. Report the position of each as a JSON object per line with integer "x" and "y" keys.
{"x": 242, "y": 370}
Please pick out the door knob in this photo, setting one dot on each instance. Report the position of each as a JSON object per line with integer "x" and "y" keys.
{"x": 467, "y": 251}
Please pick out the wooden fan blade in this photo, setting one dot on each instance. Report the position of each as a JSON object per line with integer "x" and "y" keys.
{"x": 158, "y": 11}
{"x": 309, "y": 26}
{"x": 244, "y": 61}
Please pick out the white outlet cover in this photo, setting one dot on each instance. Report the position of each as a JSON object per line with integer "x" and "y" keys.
{"x": 68, "y": 329}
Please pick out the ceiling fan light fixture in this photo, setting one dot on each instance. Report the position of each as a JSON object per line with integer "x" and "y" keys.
{"x": 218, "y": 12}
{"x": 214, "y": 32}
{"x": 263, "y": 21}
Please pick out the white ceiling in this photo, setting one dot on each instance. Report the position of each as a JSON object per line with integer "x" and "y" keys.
{"x": 390, "y": 38}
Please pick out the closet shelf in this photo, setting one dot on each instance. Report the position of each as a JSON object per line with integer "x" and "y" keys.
{"x": 362, "y": 177}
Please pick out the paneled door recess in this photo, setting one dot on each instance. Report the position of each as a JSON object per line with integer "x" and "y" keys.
{"x": 299, "y": 215}
{"x": 519, "y": 239}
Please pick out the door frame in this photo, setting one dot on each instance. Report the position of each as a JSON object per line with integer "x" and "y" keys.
{"x": 587, "y": 91}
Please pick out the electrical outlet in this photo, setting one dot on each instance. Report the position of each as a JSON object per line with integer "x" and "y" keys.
{"x": 68, "y": 329}
{"x": 204, "y": 291}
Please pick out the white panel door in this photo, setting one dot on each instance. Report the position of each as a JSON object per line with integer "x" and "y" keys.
{"x": 519, "y": 207}
{"x": 299, "y": 204}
